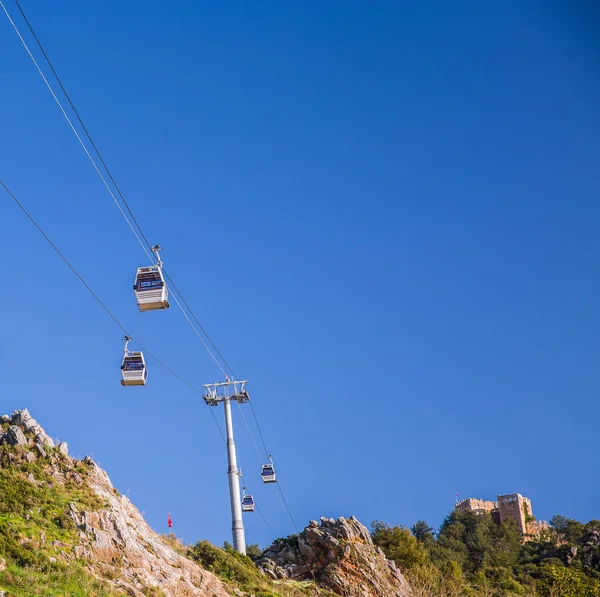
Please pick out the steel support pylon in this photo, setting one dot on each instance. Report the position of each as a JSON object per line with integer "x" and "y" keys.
{"x": 225, "y": 392}
{"x": 237, "y": 524}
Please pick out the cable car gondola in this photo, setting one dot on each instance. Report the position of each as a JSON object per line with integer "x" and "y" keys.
{"x": 133, "y": 368}
{"x": 268, "y": 472}
{"x": 247, "y": 503}
{"x": 150, "y": 289}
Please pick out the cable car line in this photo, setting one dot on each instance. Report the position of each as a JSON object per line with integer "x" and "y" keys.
{"x": 262, "y": 439}
{"x": 172, "y": 284}
{"x": 278, "y": 490}
{"x": 137, "y": 225}
{"x": 249, "y": 432}
{"x": 80, "y": 119}
{"x": 196, "y": 331}
{"x": 73, "y": 128}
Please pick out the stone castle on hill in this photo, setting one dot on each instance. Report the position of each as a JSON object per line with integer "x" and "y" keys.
{"x": 508, "y": 507}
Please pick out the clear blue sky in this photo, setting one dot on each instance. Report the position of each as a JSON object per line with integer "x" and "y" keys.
{"x": 386, "y": 214}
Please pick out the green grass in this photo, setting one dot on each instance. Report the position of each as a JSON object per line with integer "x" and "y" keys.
{"x": 32, "y": 517}
{"x": 58, "y": 580}
{"x": 29, "y": 509}
{"x": 236, "y": 570}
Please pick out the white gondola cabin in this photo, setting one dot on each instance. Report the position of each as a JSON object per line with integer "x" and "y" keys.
{"x": 268, "y": 473}
{"x": 247, "y": 503}
{"x": 133, "y": 368}
{"x": 150, "y": 289}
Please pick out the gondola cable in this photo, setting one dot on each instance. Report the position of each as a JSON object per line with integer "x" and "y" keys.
{"x": 73, "y": 128}
{"x": 47, "y": 58}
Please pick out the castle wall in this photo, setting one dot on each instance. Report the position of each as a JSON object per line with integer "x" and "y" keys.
{"x": 476, "y": 505}
{"x": 535, "y": 528}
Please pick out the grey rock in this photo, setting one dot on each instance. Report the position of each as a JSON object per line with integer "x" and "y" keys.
{"x": 29, "y": 457}
{"x": 40, "y": 450}
{"x": 31, "y": 426}
{"x": 80, "y": 552}
{"x": 571, "y": 554}
{"x": 2, "y": 564}
{"x": 20, "y": 416}
{"x": 63, "y": 448}
{"x": 44, "y": 439}
{"x": 4, "y": 419}
{"x": 15, "y": 437}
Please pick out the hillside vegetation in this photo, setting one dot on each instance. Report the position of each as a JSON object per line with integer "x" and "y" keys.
{"x": 35, "y": 530}
{"x": 474, "y": 556}
{"x": 66, "y": 531}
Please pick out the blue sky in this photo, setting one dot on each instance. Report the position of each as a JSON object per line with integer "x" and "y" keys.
{"x": 386, "y": 216}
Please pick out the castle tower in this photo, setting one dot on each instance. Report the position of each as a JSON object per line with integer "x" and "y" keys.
{"x": 515, "y": 507}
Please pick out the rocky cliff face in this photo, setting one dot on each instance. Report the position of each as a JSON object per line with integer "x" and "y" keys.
{"x": 340, "y": 556}
{"x": 113, "y": 541}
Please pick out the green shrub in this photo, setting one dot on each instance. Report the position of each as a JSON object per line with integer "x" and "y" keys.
{"x": 226, "y": 564}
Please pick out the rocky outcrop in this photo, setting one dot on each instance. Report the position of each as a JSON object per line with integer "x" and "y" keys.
{"x": 22, "y": 424}
{"x": 15, "y": 437}
{"x": 590, "y": 549}
{"x": 120, "y": 533}
{"x": 340, "y": 556}
{"x": 114, "y": 542}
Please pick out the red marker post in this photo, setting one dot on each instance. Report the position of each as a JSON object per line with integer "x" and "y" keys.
{"x": 170, "y": 523}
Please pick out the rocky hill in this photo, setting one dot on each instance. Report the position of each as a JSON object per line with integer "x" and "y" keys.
{"x": 66, "y": 531}
{"x": 339, "y": 555}
{"x": 61, "y": 516}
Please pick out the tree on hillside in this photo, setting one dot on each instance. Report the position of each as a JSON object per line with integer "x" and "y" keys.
{"x": 253, "y": 551}
{"x": 399, "y": 545}
{"x": 567, "y": 529}
{"x": 478, "y": 543}
{"x": 423, "y": 532}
